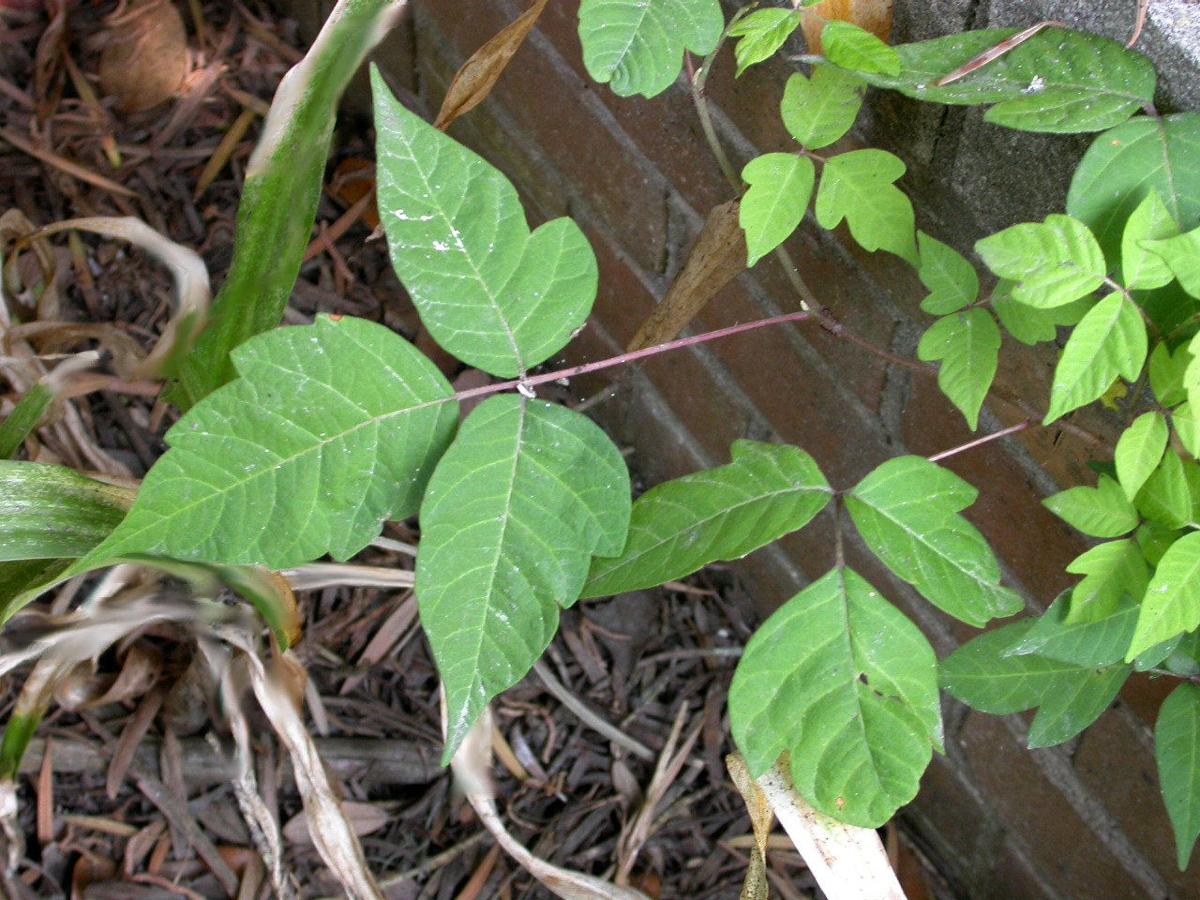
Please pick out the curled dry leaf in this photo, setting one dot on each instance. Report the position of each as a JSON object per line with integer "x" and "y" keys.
{"x": 761, "y": 818}
{"x": 479, "y": 74}
{"x": 874, "y": 16}
{"x": 145, "y": 56}
{"x": 364, "y": 819}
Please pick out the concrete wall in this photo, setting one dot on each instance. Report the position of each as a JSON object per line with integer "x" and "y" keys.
{"x": 1079, "y": 821}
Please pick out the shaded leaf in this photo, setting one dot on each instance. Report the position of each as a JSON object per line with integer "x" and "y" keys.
{"x": 724, "y": 513}
{"x": 1187, "y": 427}
{"x": 1166, "y": 497}
{"x": 1139, "y": 450}
{"x": 968, "y": 344}
{"x": 1111, "y": 572}
{"x": 1172, "y": 602}
{"x": 1181, "y": 254}
{"x": 24, "y": 419}
{"x": 820, "y": 110}
{"x": 780, "y": 187}
{"x": 1167, "y": 372}
{"x": 842, "y": 682}
{"x": 1103, "y": 511}
{"x": 1109, "y": 342}
{"x": 859, "y": 187}
{"x": 952, "y": 281}
{"x": 907, "y": 512}
{"x": 1092, "y": 642}
{"x": 1177, "y": 753}
{"x": 516, "y": 508}
{"x": 1052, "y": 262}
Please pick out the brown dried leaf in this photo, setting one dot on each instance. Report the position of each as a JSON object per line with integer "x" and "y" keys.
{"x": 145, "y": 56}
{"x": 479, "y": 74}
{"x": 755, "y": 886}
{"x": 717, "y": 257}
{"x": 873, "y": 15}
{"x": 364, "y": 818}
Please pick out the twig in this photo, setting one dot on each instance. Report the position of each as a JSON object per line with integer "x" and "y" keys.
{"x": 994, "y": 53}
{"x": 589, "y": 718}
{"x": 980, "y": 441}
{"x": 1138, "y": 24}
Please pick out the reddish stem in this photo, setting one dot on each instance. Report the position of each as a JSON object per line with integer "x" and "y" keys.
{"x": 979, "y": 442}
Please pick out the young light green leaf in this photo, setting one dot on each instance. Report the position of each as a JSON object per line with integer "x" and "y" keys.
{"x": 525, "y": 495}
{"x": 844, "y": 683}
{"x": 1123, "y": 165}
{"x": 968, "y": 343}
{"x": 820, "y": 110}
{"x": 760, "y": 34}
{"x": 952, "y": 281}
{"x": 1139, "y": 450}
{"x": 1177, "y": 753}
{"x": 1053, "y": 262}
{"x": 331, "y": 429}
{"x": 1103, "y": 511}
{"x": 859, "y": 186}
{"x": 780, "y": 187}
{"x": 52, "y": 512}
{"x": 494, "y": 294}
{"x": 636, "y": 46}
{"x": 1166, "y": 498}
{"x": 1058, "y": 81}
{"x": 1069, "y": 697}
{"x": 1030, "y": 324}
{"x": 680, "y": 526}
{"x": 855, "y": 48}
{"x": 1187, "y": 427}
{"x": 1167, "y": 373}
{"x": 283, "y": 182}
{"x": 1150, "y": 221}
{"x": 1181, "y": 255}
{"x": 1094, "y": 642}
{"x": 1109, "y": 342}
{"x": 1172, "y": 602}
{"x": 907, "y": 512}
{"x": 1112, "y": 571}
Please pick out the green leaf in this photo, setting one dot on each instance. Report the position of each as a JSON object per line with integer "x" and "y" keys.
{"x": 854, "y": 48}
{"x": 1058, "y": 81}
{"x": 1177, "y": 753}
{"x": 680, "y": 526}
{"x": 1054, "y": 262}
{"x": 859, "y": 186}
{"x": 1166, "y": 498}
{"x": 1172, "y": 602}
{"x": 525, "y": 495}
{"x": 21, "y": 582}
{"x": 1091, "y": 642}
{"x": 1167, "y": 371}
{"x": 331, "y": 429}
{"x": 283, "y": 181}
{"x": 52, "y": 512}
{"x": 1103, "y": 511}
{"x": 1112, "y": 572}
{"x": 907, "y": 512}
{"x": 1030, "y": 324}
{"x": 821, "y": 110}
{"x": 24, "y": 419}
{"x": 1069, "y": 697}
{"x": 1125, "y": 164}
{"x": 1187, "y": 427}
{"x": 1139, "y": 450}
{"x": 968, "y": 343}
{"x": 1155, "y": 540}
{"x": 952, "y": 281}
{"x": 1109, "y": 342}
{"x": 494, "y": 294}
{"x": 1181, "y": 255}
{"x": 762, "y": 33}
{"x": 636, "y": 46}
{"x": 844, "y": 684}
{"x": 780, "y": 187}
{"x": 1150, "y": 221}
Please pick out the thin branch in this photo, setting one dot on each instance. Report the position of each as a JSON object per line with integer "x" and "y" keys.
{"x": 980, "y": 441}
{"x": 1139, "y": 24}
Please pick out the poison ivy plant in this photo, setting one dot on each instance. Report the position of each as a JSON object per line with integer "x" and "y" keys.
{"x": 761, "y": 33}
{"x": 968, "y": 345}
{"x": 781, "y": 185}
{"x": 820, "y": 110}
{"x": 859, "y": 187}
{"x": 1177, "y": 749}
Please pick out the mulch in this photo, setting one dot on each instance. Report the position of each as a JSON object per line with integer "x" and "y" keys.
{"x": 639, "y": 662}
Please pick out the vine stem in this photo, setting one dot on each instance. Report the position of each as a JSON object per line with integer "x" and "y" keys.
{"x": 980, "y": 441}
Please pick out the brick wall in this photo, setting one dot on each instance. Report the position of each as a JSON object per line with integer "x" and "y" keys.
{"x": 1079, "y": 821}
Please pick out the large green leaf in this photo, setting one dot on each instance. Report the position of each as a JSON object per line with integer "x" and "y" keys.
{"x": 907, "y": 512}
{"x": 780, "y": 187}
{"x": 492, "y": 293}
{"x": 952, "y": 281}
{"x": 844, "y": 684}
{"x": 1112, "y": 571}
{"x": 1069, "y": 697}
{"x": 1139, "y": 450}
{"x": 1151, "y": 221}
{"x": 760, "y": 34}
{"x": 1172, "y": 602}
{"x": 820, "y": 110}
{"x": 1058, "y": 81}
{"x": 859, "y": 187}
{"x": 279, "y": 197}
{"x": 1092, "y": 642}
{"x": 636, "y": 46}
{"x": 968, "y": 344}
{"x": 1125, "y": 164}
{"x": 331, "y": 429}
{"x": 683, "y": 525}
{"x": 516, "y": 508}
{"x": 1103, "y": 511}
{"x": 1177, "y": 752}
{"x": 1108, "y": 343}
{"x": 1053, "y": 262}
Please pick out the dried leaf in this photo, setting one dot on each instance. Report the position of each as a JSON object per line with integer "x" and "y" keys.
{"x": 873, "y": 15}
{"x": 717, "y": 257}
{"x": 145, "y": 57}
{"x": 755, "y": 886}
{"x": 479, "y": 74}
{"x": 364, "y": 818}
